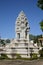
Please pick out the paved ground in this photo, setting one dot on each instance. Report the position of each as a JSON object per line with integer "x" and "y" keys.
{"x": 21, "y": 62}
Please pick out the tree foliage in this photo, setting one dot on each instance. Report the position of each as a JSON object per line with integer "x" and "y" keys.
{"x": 35, "y": 37}
{"x": 2, "y": 42}
{"x": 8, "y": 41}
{"x": 40, "y": 4}
{"x": 41, "y": 25}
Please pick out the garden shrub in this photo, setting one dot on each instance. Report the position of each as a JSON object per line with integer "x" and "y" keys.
{"x": 18, "y": 56}
{"x": 3, "y": 56}
{"x": 41, "y": 52}
{"x": 34, "y": 56}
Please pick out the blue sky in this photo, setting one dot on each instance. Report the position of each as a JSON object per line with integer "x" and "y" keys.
{"x": 9, "y": 10}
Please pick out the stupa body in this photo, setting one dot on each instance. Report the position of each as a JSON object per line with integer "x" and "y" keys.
{"x": 22, "y": 35}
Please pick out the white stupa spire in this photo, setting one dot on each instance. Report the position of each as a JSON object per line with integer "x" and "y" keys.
{"x": 22, "y": 13}
{"x": 22, "y": 26}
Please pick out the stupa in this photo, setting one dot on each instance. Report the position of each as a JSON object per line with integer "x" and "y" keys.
{"x": 21, "y": 45}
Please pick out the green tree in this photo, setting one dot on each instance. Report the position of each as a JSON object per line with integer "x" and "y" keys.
{"x": 40, "y": 4}
{"x": 7, "y": 41}
{"x": 41, "y": 25}
{"x": 2, "y": 42}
